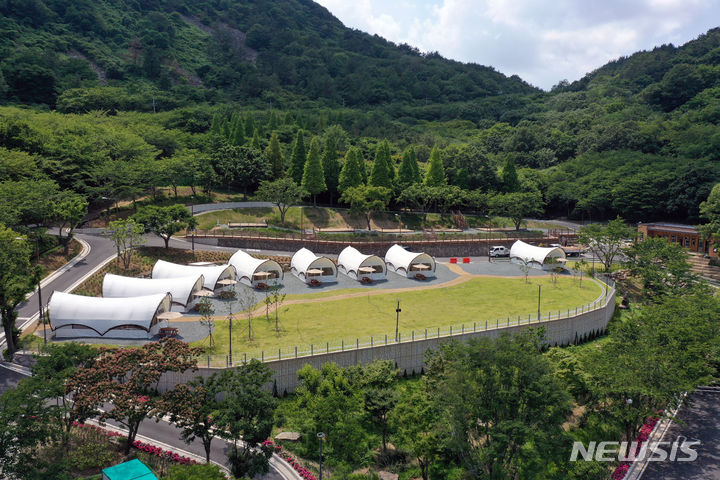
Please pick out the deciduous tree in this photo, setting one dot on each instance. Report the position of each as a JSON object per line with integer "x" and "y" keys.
{"x": 164, "y": 221}
{"x": 606, "y": 241}
{"x": 284, "y": 193}
{"x": 124, "y": 382}
{"x": 367, "y": 200}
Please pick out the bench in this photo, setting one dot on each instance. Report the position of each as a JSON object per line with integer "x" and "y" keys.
{"x": 168, "y": 332}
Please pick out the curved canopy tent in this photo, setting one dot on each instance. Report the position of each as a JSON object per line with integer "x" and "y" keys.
{"x": 357, "y": 265}
{"x": 212, "y": 274}
{"x": 536, "y": 257}
{"x": 409, "y": 264}
{"x": 307, "y": 266}
{"x": 73, "y": 316}
{"x": 182, "y": 289}
{"x": 252, "y": 271}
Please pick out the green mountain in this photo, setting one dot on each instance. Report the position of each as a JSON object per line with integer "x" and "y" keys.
{"x": 270, "y": 51}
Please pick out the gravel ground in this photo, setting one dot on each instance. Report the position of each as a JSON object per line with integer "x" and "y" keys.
{"x": 499, "y": 267}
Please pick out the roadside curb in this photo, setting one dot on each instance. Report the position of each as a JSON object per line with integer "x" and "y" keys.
{"x": 77, "y": 258}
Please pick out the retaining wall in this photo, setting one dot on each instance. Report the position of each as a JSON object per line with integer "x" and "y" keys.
{"x": 470, "y": 247}
{"x": 410, "y": 355}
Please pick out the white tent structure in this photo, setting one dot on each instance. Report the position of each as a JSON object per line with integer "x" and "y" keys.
{"x": 212, "y": 274}
{"x": 307, "y": 266}
{"x": 182, "y": 289}
{"x": 76, "y": 316}
{"x": 409, "y": 264}
{"x": 357, "y": 265}
{"x": 537, "y": 257}
{"x": 252, "y": 271}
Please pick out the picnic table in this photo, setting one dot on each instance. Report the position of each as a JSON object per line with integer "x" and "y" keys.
{"x": 168, "y": 332}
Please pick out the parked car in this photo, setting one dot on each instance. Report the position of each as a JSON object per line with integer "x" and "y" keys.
{"x": 499, "y": 251}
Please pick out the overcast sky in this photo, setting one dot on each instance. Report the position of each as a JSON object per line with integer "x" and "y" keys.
{"x": 542, "y": 41}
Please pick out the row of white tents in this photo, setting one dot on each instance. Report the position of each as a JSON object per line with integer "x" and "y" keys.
{"x": 138, "y": 307}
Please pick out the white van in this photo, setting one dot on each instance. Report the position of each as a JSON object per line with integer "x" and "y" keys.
{"x": 499, "y": 251}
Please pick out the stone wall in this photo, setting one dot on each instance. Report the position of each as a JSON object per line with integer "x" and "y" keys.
{"x": 471, "y": 246}
{"x": 410, "y": 355}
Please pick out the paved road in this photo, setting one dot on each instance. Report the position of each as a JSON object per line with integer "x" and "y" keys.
{"x": 100, "y": 249}
{"x": 160, "y": 432}
{"x": 699, "y": 421}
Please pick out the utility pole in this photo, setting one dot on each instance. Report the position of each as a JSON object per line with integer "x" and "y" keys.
{"x": 192, "y": 215}
{"x": 230, "y": 319}
{"x": 539, "y": 290}
{"x": 397, "y": 321}
{"x": 321, "y": 436}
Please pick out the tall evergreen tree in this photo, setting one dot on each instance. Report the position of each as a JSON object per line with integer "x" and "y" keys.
{"x": 298, "y": 158}
{"x": 351, "y": 174}
{"x": 389, "y": 160}
{"x": 237, "y": 136}
{"x": 274, "y": 156}
{"x": 313, "y": 179}
{"x": 226, "y": 128}
{"x": 331, "y": 166}
{"x": 273, "y": 121}
{"x": 409, "y": 172}
{"x": 435, "y": 175}
{"x": 255, "y": 142}
{"x": 510, "y": 180}
{"x": 249, "y": 125}
{"x": 216, "y": 125}
{"x": 380, "y": 174}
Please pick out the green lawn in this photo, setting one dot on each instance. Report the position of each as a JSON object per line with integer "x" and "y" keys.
{"x": 477, "y": 300}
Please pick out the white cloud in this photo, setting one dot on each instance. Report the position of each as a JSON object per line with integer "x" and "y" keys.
{"x": 542, "y": 42}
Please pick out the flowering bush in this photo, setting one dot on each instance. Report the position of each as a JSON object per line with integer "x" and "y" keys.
{"x": 644, "y": 434}
{"x": 95, "y": 428}
{"x": 166, "y": 454}
{"x": 304, "y": 473}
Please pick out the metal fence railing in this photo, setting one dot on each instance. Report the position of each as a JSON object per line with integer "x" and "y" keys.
{"x": 357, "y": 343}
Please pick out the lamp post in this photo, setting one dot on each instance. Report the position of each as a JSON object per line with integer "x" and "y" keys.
{"x": 397, "y": 320}
{"x": 192, "y": 214}
{"x": 321, "y": 436}
{"x": 230, "y": 319}
{"x": 539, "y": 290}
{"x": 41, "y": 316}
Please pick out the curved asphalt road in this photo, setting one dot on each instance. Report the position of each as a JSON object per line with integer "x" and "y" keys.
{"x": 101, "y": 249}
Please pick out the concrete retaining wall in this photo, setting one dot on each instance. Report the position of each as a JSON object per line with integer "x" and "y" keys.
{"x": 410, "y": 355}
{"x": 469, "y": 247}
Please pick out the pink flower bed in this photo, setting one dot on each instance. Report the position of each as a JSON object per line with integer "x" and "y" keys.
{"x": 159, "y": 452}
{"x": 304, "y": 473}
{"x": 644, "y": 434}
{"x": 87, "y": 426}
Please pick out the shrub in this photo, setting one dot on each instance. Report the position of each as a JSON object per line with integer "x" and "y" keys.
{"x": 90, "y": 455}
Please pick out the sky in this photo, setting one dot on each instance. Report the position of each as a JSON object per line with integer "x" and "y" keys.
{"x": 542, "y": 41}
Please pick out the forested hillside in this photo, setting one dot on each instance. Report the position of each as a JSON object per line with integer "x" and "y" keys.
{"x": 125, "y": 96}
{"x": 278, "y": 51}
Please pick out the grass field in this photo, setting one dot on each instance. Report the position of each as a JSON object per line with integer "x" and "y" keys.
{"x": 476, "y": 300}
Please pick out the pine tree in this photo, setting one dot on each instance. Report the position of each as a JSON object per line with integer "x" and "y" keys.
{"x": 510, "y": 180}
{"x": 409, "y": 172}
{"x": 273, "y": 122}
{"x": 249, "y": 125}
{"x": 362, "y": 166}
{"x": 226, "y": 128}
{"x": 380, "y": 174}
{"x": 350, "y": 175}
{"x": 297, "y": 159}
{"x": 255, "y": 142}
{"x": 274, "y": 156}
{"x": 435, "y": 175}
{"x": 237, "y": 136}
{"x": 313, "y": 179}
{"x": 389, "y": 160}
{"x": 331, "y": 166}
{"x": 216, "y": 125}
